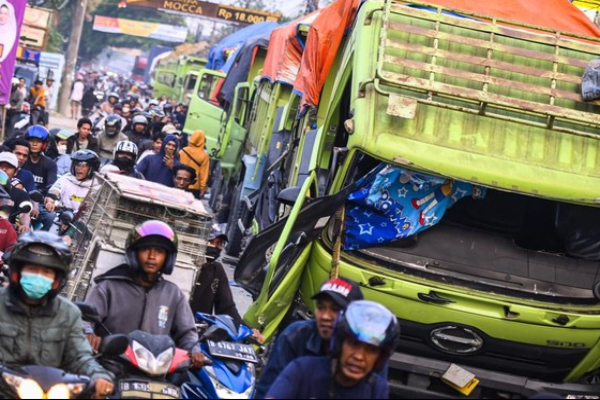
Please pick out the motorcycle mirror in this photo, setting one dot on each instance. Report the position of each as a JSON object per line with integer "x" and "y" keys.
{"x": 89, "y": 313}
{"x": 289, "y": 196}
{"x": 216, "y": 334}
{"x": 114, "y": 345}
{"x": 36, "y": 196}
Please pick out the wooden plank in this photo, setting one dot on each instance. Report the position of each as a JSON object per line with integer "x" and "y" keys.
{"x": 473, "y": 76}
{"x": 484, "y": 44}
{"x": 401, "y": 80}
{"x": 484, "y": 62}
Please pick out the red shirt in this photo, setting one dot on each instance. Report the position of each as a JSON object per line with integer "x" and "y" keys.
{"x": 8, "y": 235}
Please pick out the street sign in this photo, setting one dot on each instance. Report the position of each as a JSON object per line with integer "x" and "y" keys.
{"x": 33, "y": 37}
{"x": 198, "y": 8}
{"x": 37, "y": 17}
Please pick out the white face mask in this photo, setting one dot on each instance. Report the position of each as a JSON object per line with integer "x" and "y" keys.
{"x": 62, "y": 150}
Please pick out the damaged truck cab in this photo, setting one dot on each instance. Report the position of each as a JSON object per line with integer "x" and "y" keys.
{"x": 506, "y": 285}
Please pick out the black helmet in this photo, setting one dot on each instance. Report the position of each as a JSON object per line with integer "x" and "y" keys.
{"x": 168, "y": 108}
{"x": 152, "y": 233}
{"x": 40, "y": 248}
{"x": 217, "y": 232}
{"x": 367, "y": 322}
{"x": 112, "y": 125}
{"x": 7, "y": 204}
{"x": 86, "y": 156}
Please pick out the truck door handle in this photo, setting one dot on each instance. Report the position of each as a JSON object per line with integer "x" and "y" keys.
{"x": 433, "y": 297}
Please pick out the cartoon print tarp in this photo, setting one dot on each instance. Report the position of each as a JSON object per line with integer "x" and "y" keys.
{"x": 394, "y": 203}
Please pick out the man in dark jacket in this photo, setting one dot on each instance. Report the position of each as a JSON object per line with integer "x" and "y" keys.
{"x": 83, "y": 140}
{"x": 135, "y": 296}
{"x": 38, "y": 326}
{"x": 159, "y": 167}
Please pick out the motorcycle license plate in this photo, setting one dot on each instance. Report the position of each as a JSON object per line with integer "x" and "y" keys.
{"x": 233, "y": 351}
{"x": 148, "y": 390}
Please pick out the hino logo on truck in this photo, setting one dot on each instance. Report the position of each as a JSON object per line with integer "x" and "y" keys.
{"x": 456, "y": 340}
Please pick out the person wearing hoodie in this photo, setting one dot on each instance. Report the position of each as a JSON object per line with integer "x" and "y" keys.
{"x": 63, "y": 161}
{"x": 196, "y": 157}
{"x": 73, "y": 188}
{"x": 159, "y": 167}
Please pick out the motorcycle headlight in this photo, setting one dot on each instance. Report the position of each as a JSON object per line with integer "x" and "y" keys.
{"x": 158, "y": 366}
{"x": 579, "y": 397}
{"x": 224, "y": 392}
{"x": 60, "y": 391}
{"x": 25, "y": 388}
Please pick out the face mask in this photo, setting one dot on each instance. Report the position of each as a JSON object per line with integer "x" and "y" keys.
{"x": 124, "y": 163}
{"x": 62, "y": 150}
{"x": 35, "y": 286}
{"x": 213, "y": 253}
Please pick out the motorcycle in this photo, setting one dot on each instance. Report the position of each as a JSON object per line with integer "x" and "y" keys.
{"x": 146, "y": 368}
{"x": 38, "y": 382}
{"x": 232, "y": 374}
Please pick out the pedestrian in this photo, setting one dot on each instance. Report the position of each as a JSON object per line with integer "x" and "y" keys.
{"x": 183, "y": 177}
{"x": 309, "y": 338}
{"x": 159, "y": 167}
{"x": 77, "y": 97}
{"x": 88, "y": 102}
{"x": 83, "y": 139}
{"x": 196, "y": 157}
{"x": 37, "y": 99}
{"x": 363, "y": 341}
{"x": 49, "y": 89}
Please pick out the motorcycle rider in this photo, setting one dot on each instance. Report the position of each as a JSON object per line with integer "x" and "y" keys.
{"x": 8, "y": 235}
{"x": 73, "y": 188}
{"x": 63, "y": 160}
{"x": 139, "y": 130}
{"x": 43, "y": 168}
{"x": 37, "y": 98}
{"x": 38, "y": 326}
{"x": 83, "y": 139}
{"x": 8, "y": 170}
{"x": 151, "y": 253}
{"x": 111, "y": 136}
{"x": 364, "y": 339}
{"x": 309, "y": 338}
{"x": 126, "y": 154}
{"x": 109, "y": 105}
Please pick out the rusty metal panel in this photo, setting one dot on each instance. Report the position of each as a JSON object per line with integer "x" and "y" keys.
{"x": 403, "y": 107}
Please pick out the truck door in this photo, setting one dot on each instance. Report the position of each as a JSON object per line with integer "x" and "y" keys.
{"x": 205, "y": 112}
{"x": 232, "y": 138}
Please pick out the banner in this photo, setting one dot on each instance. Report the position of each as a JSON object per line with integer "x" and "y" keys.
{"x": 151, "y": 30}
{"x": 11, "y": 19}
{"x": 37, "y": 17}
{"x": 32, "y": 37}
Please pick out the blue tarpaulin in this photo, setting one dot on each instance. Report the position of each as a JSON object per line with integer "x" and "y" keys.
{"x": 394, "y": 203}
{"x": 221, "y": 56}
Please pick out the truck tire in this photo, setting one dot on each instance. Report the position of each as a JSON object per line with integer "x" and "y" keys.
{"x": 235, "y": 236}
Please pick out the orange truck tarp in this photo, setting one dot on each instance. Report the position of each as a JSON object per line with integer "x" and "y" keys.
{"x": 327, "y": 31}
{"x": 285, "y": 51}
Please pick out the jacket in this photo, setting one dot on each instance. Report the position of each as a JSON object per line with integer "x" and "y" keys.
{"x": 154, "y": 168}
{"x": 213, "y": 294}
{"x": 124, "y": 307}
{"x": 195, "y": 156}
{"x": 50, "y": 335}
{"x": 107, "y": 144}
{"x": 73, "y": 144}
{"x": 63, "y": 163}
{"x": 72, "y": 192}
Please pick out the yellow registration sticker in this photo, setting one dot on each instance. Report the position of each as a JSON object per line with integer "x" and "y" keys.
{"x": 460, "y": 379}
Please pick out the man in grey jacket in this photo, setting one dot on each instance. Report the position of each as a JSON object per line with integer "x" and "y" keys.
{"x": 134, "y": 296}
{"x": 36, "y": 326}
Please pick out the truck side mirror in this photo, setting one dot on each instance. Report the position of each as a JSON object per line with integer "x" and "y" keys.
{"x": 289, "y": 196}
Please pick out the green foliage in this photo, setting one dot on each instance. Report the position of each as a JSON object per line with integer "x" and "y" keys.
{"x": 56, "y": 42}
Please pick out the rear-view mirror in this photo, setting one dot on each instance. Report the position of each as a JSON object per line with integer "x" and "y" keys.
{"x": 289, "y": 196}
{"x": 114, "y": 345}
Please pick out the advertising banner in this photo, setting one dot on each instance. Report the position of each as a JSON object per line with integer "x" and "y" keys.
{"x": 11, "y": 19}
{"x": 37, "y": 17}
{"x": 152, "y": 30}
{"x": 33, "y": 37}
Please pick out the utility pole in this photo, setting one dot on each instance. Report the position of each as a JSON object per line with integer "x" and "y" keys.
{"x": 72, "y": 52}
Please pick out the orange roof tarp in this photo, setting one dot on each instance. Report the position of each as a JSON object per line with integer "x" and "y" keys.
{"x": 326, "y": 33}
{"x": 285, "y": 51}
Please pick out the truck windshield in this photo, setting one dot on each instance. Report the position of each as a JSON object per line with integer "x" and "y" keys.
{"x": 479, "y": 236}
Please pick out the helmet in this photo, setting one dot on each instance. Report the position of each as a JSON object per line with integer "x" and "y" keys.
{"x": 37, "y": 132}
{"x": 152, "y": 233}
{"x": 86, "y": 156}
{"x": 167, "y": 108}
{"x": 127, "y": 147}
{"x": 139, "y": 120}
{"x": 63, "y": 134}
{"x": 154, "y": 103}
{"x": 115, "y": 95}
{"x": 367, "y": 322}
{"x": 40, "y": 248}
{"x": 157, "y": 112}
{"x": 112, "y": 125}
{"x": 133, "y": 97}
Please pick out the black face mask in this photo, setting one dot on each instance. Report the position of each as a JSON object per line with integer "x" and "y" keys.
{"x": 124, "y": 163}
{"x": 212, "y": 253}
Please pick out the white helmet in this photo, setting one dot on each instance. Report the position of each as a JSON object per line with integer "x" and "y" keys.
{"x": 127, "y": 147}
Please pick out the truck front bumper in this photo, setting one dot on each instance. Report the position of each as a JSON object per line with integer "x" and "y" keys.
{"x": 420, "y": 378}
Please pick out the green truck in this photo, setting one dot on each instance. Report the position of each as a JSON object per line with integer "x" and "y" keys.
{"x": 176, "y": 78}
{"x": 507, "y": 287}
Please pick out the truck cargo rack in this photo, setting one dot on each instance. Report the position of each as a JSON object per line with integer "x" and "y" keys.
{"x": 432, "y": 55}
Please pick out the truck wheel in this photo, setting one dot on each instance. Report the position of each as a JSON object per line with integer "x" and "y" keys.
{"x": 233, "y": 231}
{"x": 215, "y": 190}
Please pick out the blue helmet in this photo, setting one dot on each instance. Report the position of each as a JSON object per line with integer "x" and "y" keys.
{"x": 367, "y": 322}
{"x": 37, "y": 132}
